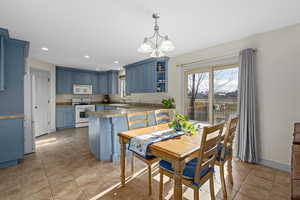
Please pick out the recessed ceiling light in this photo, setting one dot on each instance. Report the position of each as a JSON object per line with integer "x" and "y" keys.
{"x": 45, "y": 49}
{"x": 116, "y": 62}
{"x": 87, "y": 56}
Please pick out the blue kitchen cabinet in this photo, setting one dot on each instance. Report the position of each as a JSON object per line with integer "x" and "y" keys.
{"x": 2, "y": 71}
{"x": 65, "y": 117}
{"x": 95, "y": 82}
{"x": 13, "y": 54}
{"x": 113, "y": 82}
{"x": 11, "y": 141}
{"x": 99, "y": 107}
{"x": 110, "y": 107}
{"x": 103, "y": 83}
{"x": 81, "y": 78}
{"x": 145, "y": 77}
{"x": 64, "y": 81}
{"x": 149, "y": 80}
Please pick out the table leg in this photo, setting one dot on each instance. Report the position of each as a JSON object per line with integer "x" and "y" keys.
{"x": 178, "y": 167}
{"x": 122, "y": 161}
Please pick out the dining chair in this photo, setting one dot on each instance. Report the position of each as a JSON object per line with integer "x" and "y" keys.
{"x": 225, "y": 153}
{"x": 162, "y": 116}
{"x": 140, "y": 120}
{"x": 200, "y": 169}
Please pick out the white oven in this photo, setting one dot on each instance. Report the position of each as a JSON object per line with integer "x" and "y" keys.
{"x": 82, "y": 89}
{"x": 81, "y": 118}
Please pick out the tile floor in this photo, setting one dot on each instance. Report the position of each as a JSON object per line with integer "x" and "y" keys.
{"x": 64, "y": 169}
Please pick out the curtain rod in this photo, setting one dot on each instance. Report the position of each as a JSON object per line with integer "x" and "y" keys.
{"x": 231, "y": 55}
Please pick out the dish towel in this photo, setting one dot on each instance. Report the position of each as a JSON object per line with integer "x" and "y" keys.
{"x": 139, "y": 144}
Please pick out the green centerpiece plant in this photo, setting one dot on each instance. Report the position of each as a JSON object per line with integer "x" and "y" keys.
{"x": 168, "y": 103}
{"x": 181, "y": 123}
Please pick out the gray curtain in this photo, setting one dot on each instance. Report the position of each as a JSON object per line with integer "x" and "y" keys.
{"x": 246, "y": 137}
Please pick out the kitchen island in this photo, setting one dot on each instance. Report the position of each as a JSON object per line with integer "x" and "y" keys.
{"x": 105, "y": 125}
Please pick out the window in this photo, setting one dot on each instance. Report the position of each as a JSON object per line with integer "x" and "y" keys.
{"x": 211, "y": 93}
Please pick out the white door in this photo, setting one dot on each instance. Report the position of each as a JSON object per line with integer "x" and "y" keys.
{"x": 40, "y": 102}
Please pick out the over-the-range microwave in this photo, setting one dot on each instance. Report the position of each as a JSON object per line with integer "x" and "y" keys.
{"x": 82, "y": 89}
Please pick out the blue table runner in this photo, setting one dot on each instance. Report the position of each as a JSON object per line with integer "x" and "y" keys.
{"x": 139, "y": 144}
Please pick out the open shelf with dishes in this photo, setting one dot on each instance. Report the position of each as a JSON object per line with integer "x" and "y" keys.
{"x": 161, "y": 76}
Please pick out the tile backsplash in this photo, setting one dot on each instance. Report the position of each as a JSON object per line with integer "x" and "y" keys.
{"x": 65, "y": 98}
{"x": 152, "y": 98}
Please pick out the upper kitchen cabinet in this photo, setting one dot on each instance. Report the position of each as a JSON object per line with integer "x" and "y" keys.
{"x": 64, "y": 81}
{"x": 113, "y": 82}
{"x": 82, "y": 78}
{"x": 147, "y": 76}
{"x": 102, "y": 83}
{"x": 2, "y": 77}
{"x": 95, "y": 82}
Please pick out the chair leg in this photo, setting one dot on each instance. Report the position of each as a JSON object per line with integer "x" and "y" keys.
{"x": 212, "y": 188}
{"x": 223, "y": 181}
{"x": 196, "y": 193}
{"x": 229, "y": 169}
{"x": 132, "y": 164}
{"x": 161, "y": 183}
{"x": 149, "y": 180}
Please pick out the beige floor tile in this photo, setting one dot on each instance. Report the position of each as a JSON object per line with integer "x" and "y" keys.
{"x": 30, "y": 189}
{"x": 64, "y": 189}
{"x": 257, "y": 181}
{"x": 60, "y": 178}
{"x": 63, "y": 168}
{"x": 254, "y": 192}
{"x": 75, "y": 195}
{"x": 44, "y": 194}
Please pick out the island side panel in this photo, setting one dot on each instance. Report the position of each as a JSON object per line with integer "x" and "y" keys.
{"x": 119, "y": 124}
{"x": 100, "y": 140}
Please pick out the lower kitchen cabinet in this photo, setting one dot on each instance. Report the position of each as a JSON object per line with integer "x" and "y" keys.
{"x": 65, "y": 117}
{"x": 99, "y": 107}
{"x": 11, "y": 141}
{"x": 110, "y": 108}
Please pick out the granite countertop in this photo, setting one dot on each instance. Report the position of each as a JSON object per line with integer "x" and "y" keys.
{"x": 117, "y": 104}
{"x": 17, "y": 116}
{"x": 123, "y": 111}
{"x": 96, "y": 103}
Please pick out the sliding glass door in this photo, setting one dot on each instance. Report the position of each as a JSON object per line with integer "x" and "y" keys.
{"x": 211, "y": 93}
{"x": 197, "y": 97}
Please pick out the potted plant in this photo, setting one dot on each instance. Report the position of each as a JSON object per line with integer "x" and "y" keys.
{"x": 168, "y": 103}
{"x": 181, "y": 123}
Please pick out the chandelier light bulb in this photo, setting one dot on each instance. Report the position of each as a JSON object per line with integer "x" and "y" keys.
{"x": 167, "y": 46}
{"x": 145, "y": 47}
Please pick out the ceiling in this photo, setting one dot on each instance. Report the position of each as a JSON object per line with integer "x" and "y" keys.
{"x": 112, "y": 30}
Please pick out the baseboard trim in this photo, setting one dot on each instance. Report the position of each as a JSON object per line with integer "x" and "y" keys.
{"x": 52, "y": 130}
{"x": 275, "y": 165}
{"x": 8, "y": 163}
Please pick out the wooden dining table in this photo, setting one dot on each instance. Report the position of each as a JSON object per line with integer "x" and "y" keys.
{"x": 176, "y": 150}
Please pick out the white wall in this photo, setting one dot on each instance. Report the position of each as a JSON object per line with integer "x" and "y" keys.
{"x": 278, "y": 87}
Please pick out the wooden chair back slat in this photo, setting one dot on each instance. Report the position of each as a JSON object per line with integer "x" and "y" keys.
{"x": 142, "y": 122}
{"x": 229, "y": 136}
{"x": 162, "y": 115}
{"x": 211, "y": 137}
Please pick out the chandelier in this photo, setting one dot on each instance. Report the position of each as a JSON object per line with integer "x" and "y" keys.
{"x": 157, "y": 44}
